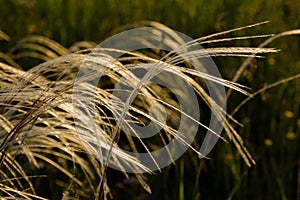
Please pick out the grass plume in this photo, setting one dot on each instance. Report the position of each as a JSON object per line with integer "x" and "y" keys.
{"x": 37, "y": 110}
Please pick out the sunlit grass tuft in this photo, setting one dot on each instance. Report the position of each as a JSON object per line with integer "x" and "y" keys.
{"x": 37, "y": 112}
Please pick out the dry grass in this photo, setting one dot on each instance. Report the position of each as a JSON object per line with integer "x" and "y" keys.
{"x": 37, "y": 108}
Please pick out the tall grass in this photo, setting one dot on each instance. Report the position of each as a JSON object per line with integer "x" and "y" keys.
{"x": 40, "y": 142}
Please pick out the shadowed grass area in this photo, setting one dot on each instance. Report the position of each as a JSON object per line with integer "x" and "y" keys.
{"x": 71, "y": 21}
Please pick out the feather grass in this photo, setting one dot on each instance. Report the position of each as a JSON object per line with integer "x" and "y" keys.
{"x": 37, "y": 107}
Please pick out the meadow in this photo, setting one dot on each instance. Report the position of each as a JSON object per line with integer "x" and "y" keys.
{"x": 43, "y": 44}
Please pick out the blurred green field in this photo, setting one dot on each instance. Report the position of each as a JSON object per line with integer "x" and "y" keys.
{"x": 271, "y": 120}
{"x": 74, "y": 20}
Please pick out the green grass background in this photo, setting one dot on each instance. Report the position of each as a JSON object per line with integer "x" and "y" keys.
{"x": 271, "y": 120}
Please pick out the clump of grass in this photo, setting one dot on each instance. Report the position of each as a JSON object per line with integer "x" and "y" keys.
{"x": 37, "y": 112}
